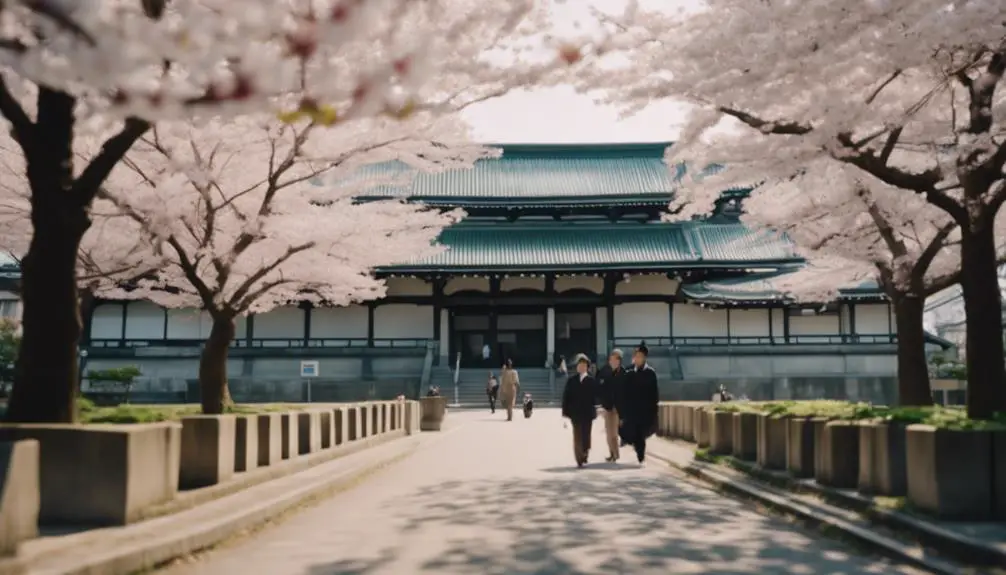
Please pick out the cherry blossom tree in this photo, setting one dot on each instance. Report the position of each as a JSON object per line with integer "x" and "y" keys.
{"x": 230, "y": 210}
{"x": 107, "y": 70}
{"x": 905, "y": 92}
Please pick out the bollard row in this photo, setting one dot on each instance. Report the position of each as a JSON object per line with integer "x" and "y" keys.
{"x": 954, "y": 474}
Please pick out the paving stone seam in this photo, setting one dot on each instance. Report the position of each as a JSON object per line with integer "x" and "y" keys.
{"x": 815, "y": 514}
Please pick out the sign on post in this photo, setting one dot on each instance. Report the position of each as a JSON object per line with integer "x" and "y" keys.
{"x": 309, "y": 369}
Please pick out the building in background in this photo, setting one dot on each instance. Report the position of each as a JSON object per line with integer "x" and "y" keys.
{"x": 564, "y": 252}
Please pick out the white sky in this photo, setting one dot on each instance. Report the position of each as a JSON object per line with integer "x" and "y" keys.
{"x": 560, "y": 115}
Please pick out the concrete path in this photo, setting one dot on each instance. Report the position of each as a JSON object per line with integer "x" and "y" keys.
{"x": 492, "y": 497}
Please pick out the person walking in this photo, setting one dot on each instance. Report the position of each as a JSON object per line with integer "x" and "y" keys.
{"x": 508, "y": 388}
{"x": 578, "y": 404}
{"x": 486, "y": 354}
{"x": 638, "y": 407}
{"x": 492, "y": 389}
{"x": 610, "y": 380}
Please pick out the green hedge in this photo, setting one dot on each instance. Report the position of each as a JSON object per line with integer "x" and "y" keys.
{"x": 89, "y": 413}
{"x": 942, "y": 417}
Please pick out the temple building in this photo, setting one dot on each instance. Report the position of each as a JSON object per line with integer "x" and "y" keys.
{"x": 564, "y": 251}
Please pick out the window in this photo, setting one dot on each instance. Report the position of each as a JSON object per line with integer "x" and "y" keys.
{"x": 8, "y": 308}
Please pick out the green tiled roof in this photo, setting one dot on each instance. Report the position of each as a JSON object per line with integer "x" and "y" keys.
{"x": 758, "y": 288}
{"x": 736, "y": 242}
{"x": 594, "y": 247}
{"x": 549, "y": 175}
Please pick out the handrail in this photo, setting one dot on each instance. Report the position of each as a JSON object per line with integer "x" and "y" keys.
{"x": 270, "y": 342}
{"x": 424, "y": 380}
{"x": 457, "y": 378}
{"x": 803, "y": 339}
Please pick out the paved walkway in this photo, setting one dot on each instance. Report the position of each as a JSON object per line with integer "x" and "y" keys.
{"x": 491, "y": 497}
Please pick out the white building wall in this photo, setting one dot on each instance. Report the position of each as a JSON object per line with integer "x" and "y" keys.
{"x": 749, "y": 323}
{"x": 778, "y": 316}
{"x": 693, "y": 321}
{"x": 647, "y": 285}
{"x": 338, "y": 322}
{"x": 872, "y": 319}
{"x": 590, "y": 283}
{"x": 106, "y": 321}
{"x": 823, "y": 325}
{"x": 642, "y": 319}
{"x": 466, "y": 284}
{"x": 280, "y": 323}
{"x": 144, "y": 320}
{"x": 408, "y": 286}
{"x": 403, "y": 321}
{"x": 10, "y": 306}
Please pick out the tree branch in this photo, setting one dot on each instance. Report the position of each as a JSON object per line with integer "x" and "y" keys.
{"x": 935, "y": 245}
{"x": 779, "y": 127}
{"x": 11, "y": 109}
{"x": 243, "y": 289}
{"x": 91, "y": 179}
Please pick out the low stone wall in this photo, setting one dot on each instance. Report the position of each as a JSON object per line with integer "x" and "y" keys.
{"x": 116, "y": 474}
{"x": 102, "y": 474}
{"x": 19, "y": 494}
{"x": 955, "y": 474}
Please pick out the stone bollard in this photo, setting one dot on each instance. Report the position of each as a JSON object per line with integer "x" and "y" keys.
{"x": 20, "y": 496}
{"x": 745, "y": 436}
{"x": 721, "y": 432}
{"x": 800, "y": 447}
{"x": 840, "y": 459}
{"x": 700, "y": 425}
{"x": 270, "y": 439}
{"x": 309, "y": 432}
{"x": 245, "y": 442}
{"x": 771, "y": 441}
{"x": 207, "y": 450}
{"x": 433, "y": 410}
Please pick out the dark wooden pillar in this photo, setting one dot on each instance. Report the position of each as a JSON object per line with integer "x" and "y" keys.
{"x": 125, "y": 316}
{"x": 250, "y": 329}
{"x": 438, "y": 305}
{"x": 852, "y": 322}
{"x": 307, "y": 322}
{"x": 785, "y": 324}
{"x": 494, "y": 293}
{"x": 728, "y": 324}
{"x": 370, "y": 324}
{"x": 609, "y": 306}
{"x": 771, "y": 325}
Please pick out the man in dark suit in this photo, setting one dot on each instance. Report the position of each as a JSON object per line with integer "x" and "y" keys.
{"x": 578, "y": 400}
{"x": 638, "y": 408}
{"x": 610, "y": 380}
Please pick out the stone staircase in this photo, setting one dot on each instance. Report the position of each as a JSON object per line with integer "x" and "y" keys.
{"x": 472, "y": 385}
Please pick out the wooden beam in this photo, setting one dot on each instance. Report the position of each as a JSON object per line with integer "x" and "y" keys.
{"x": 370, "y": 324}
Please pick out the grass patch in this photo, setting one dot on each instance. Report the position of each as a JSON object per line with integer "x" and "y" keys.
{"x": 937, "y": 416}
{"x": 89, "y": 413}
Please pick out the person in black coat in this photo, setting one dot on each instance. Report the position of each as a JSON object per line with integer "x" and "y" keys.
{"x": 638, "y": 408}
{"x": 610, "y": 380}
{"x": 578, "y": 400}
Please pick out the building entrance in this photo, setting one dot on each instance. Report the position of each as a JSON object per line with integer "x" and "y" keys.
{"x": 521, "y": 337}
{"x": 575, "y": 332}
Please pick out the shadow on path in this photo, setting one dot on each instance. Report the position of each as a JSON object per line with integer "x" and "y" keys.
{"x": 595, "y": 521}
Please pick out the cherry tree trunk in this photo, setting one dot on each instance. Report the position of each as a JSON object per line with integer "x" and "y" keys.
{"x": 215, "y": 396}
{"x": 46, "y": 380}
{"x": 913, "y": 369}
{"x": 982, "y": 311}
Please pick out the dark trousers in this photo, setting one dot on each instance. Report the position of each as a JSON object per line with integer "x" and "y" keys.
{"x": 492, "y": 401}
{"x": 637, "y": 438}
{"x": 581, "y": 439}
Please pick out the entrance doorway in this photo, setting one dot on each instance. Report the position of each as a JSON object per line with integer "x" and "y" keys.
{"x": 575, "y": 332}
{"x": 518, "y": 335}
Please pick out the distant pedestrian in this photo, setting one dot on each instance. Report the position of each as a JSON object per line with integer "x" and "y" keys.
{"x": 508, "y": 388}
{"x": 563, "y": 370}
{"x": 610, "y": 380}
{"x": 638, "y": 407}
{"x": 492, "y": 391}
{"x": 487, "y": 353}
{"x": 578, "y": 399}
